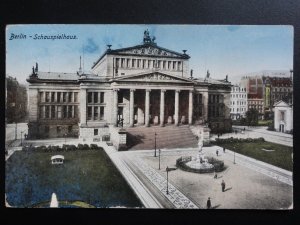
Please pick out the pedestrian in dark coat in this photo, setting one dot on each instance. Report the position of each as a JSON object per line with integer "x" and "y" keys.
{"x": 217, "y": 152}
{"x": 223, "y": 185}
{"x": 224, "y": 149}
{"x": 208, "y": 204}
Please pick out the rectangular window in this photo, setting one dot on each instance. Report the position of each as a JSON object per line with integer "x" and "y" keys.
{"x": 52, "y": 96}
{"x": 90, "y": 97}
{"x": 158, "y": 64}
{"x": 101, "y": 97}
{"x": 75, "y": 96}
{"x": 102, "y": 113}
{"x": 95, "y": 97}
{"x": 164, "y": 64}
{"x": 174, "y": 63}
{"x": 75, "y": 111}
{"x": 95, "y": 113}
{"x": 59, "y": 112}
{"x": 138, "y": 63}
{"x": 169, "y": 64}
{"x": 117, "y": 62}
{"x": 89, "y": 113}
{"x": 47, "y": 111}
{"x": 128, "y": 63}
{"x": 58, "y": 96}
{"x": 41, "y": 96}
{"x": 70, "y": 97}
{"x": 64, "y": 111}
{"x": 47, "y": 97}
{"x": 120, "y": 97}
{"x": 122, "y": 62}
{"x": 95, "y": 132}
{"x": 154, "y": 64}
{"x": 64, "y": 96}
{"x": 144, "y": 63}
{"x": 41, "y": 112}
{"x": 69, "y": 111}
{"x": 52, "y": 111}
{"x": 179, "y": 65}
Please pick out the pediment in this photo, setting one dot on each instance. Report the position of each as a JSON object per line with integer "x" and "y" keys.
{"x": 154, "y": 77}
{"x": 150, "y": 50}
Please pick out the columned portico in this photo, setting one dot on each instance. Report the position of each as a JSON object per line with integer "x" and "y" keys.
{"x": 162, "y": 107}
{"x": 147, "y": 107}
{"x": 176, "y": 110}
{"x": 131, "y": 108}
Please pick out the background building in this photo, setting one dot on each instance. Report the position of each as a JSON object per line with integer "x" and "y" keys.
{"x": 238, "y": 102}
{"x": 283, "y": 117}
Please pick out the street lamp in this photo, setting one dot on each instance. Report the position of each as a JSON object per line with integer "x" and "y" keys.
{"x": 234, "y": 155}
{"x": 168, "y": 169}
{"x": 159, "y": 159}
{"x": 155, "y": 144}
{"x": 16, "y": 131}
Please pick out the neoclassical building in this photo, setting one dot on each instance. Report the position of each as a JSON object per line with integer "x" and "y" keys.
{"x": 143, "y": 85}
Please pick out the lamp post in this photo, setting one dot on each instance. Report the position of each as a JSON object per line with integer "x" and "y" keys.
{"x": 16, "y": 131}
{"x": 21, "y": 137}
{"x": 159, "y": 159}
{"x": 168, "y": 169}
{"x": 234, "y": 155}
{"x": 155, "y": 144}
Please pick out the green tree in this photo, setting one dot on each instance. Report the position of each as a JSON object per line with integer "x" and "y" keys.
{"x": 252, "y": 117}
{"x": 16, "y": 101}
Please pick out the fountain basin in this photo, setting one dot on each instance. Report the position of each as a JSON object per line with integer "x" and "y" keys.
{"x": 190, "y": 164}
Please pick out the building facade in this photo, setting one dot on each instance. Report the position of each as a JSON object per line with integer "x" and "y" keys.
{"x": 143, "y": 85}
{"x": 283, "y": 117}
{"x": 238, "y": 102}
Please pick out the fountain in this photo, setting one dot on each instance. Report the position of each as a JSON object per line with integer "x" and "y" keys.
{"x": 200, "y": 163}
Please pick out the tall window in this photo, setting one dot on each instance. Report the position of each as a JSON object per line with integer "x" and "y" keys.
{"x": 70, "y": 97}
{"x": 47, "y": 111}
{"x": 58, "y": 96}
{"x": 128, "y": 63}
{"x": 64, "y": 111}
{"x": 52, "y": 111}
{"x": 75, "y": 96}
{"x": 42, "y": 97}
{"x": 52, "y": 96}
{"x": 69, "y": 111}
{"x": 47, "y": 97}
{"x": 101, "y": 97}
{"x": 95, "y": 97}
{"x": 133, "y": 63}
{"x": 96, "y": 113}
{"x": 101, "y": 112}
{"x": 64, "y": 96}
{"x": 89, "y": 113}
{"x": 75, "y": 111}
{"x": 59, "y": 112}
{"x": 179, "y": 65}
{"x": 90, "y": 97}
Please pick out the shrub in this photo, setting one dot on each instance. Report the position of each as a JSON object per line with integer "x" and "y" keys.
{"x": 80, "y": 147}
{"x": 93, "y": 146}
{"x": 72, "y": 147}
{"x": 86, "y": 146}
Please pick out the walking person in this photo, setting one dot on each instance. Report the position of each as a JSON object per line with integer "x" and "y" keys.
{"x": 223, "y": 185}
{"x": 208, "y": 203}
{"x": 215, "y": 175}
{"x": 224, "y": 149}
{"x": 217, "y": 152}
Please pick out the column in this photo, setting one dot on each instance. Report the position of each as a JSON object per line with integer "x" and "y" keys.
{"x": 44, "y": 111}
{"x": 93, "y": 112}
{"x": 147, "y": 107}
{"x": 162, "y": 107}
{"x": 190, "y": 107}
{"x": 131, "y": 108}
{"x": 115, "y": 107}
{"x": 176, "y": 107}
{"x": 205, "y": 105}
{"x": 56, "y": 116}
{"x": 73, "y": 111}
{"x": 55, "y": 96}
{"x": 83, "y": 106}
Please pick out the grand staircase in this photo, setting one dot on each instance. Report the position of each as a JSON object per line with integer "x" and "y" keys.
{"x": 139, "y": 138}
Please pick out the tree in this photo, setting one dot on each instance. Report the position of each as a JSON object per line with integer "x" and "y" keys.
{"x": 16, "y": 101}
{"x": 252, "y": 117}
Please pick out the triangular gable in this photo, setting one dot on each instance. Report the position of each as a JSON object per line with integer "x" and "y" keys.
{"x": 149, "y": 50}
{"x": 281, "y": 103}
{"x": 154, "y": 77}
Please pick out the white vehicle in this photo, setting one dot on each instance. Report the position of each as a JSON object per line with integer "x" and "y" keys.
{"x": 57, "y": 159}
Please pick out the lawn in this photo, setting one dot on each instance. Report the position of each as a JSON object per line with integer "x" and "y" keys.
{"x": 86, "y": 175}
{"x": 280, "y": 157}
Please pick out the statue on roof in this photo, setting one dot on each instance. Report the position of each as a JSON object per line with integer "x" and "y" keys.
{"x": 147, "y": 38}
{"x": 207, "y": 74}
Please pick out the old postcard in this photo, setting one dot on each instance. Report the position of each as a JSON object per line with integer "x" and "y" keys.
{"x": 149, "y": 116}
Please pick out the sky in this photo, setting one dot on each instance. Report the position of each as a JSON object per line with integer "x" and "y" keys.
{"x": 221, "y": 49}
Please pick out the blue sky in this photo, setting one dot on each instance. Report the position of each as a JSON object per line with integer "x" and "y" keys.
{"x": 222, "y": 50}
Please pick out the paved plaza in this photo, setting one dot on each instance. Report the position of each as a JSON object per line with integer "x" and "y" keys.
{"x": 250, "y": 184}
